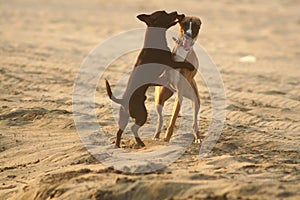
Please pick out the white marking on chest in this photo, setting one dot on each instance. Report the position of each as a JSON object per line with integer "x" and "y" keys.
{"x": 180, "y": 55}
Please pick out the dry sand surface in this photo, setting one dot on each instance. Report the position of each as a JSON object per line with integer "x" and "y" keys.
{"x": 42, "y": 44}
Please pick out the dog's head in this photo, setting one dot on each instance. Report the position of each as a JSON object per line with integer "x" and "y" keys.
{"x": 189, "y": 31}
{"x": 161, "y": 19}
{"x": 190, "y": 26}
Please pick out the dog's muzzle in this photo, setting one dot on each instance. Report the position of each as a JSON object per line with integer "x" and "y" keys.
{"x": 186, "y": 41}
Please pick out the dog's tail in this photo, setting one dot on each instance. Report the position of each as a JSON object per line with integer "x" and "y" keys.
{"x": 110, "y": 94}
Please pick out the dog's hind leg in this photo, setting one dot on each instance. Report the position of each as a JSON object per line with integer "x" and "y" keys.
{"x": 159, "y": 110}
{"x": 196, "y": 106}
{"x": 175, "y": 114}
{"x": 162, "y": 94}
{"x": 123, "y": 121}
{"x": 139, "y": 121}
{"x": 135, "y": 128}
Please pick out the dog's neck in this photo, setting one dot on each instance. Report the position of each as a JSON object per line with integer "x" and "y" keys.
{"x": 155, "y": 38}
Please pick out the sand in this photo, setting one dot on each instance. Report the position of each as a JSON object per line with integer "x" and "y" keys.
{"x": 255, "y": 45}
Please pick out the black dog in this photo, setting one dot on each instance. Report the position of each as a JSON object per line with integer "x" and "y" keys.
{"x": 133, "y": 101}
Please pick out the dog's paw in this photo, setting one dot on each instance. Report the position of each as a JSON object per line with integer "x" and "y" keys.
{"x": 138, "y": 146}
{"x": 155, "y": 139}
{"x": 197, "y": 141}
{"x": 139, "y": 142}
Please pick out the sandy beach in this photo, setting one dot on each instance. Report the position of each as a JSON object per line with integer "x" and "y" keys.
{"x": 255, "y": 46}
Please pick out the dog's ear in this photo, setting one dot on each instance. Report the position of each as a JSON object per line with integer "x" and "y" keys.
{"x": 144, "y": 18}
{"x": 198, "y": 22}
{"x": 180, "y": 17}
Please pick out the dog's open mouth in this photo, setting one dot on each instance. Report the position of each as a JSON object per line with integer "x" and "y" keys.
{"x": 187, "y": 42}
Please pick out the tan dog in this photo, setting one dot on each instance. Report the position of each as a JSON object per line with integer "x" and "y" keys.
{"x": 183, "y": 51}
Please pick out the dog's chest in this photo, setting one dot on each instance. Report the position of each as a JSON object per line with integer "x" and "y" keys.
{"x": 180, "y": 55}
